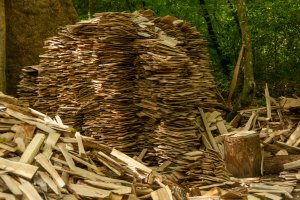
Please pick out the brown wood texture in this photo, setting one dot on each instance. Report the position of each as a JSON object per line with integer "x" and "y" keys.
{"x": 242, "y": 155}
{"x": 274, "y": 164}
{"x": 124, "y": 84}
{"x": 2, "y": 47}
{"x": 60, "y": 168}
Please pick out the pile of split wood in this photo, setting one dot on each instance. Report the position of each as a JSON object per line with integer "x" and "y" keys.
{"x": 41, "y": 158}
{"x": 260, "y": 141}
{"x": 129, "y": 80}
{"x": 278, "y": 128}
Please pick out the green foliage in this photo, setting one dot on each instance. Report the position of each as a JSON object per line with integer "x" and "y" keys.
{"x": 275, "y": 29}
{"x": 275, "y": 26}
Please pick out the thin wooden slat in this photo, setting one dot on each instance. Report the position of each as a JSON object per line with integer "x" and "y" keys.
{"x": 33, "y": 148}
{"x": 42, "y": 160}
{"x": 21, "y": 169}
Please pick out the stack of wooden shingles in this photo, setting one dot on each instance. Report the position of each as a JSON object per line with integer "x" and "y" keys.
{"x": 87, "y": 77}
{"x": 148, "y": 112}
{"x": 111, "y": 118}
{"x": 171, "y": 85}
{"x": 98, "y": 74}
{"x": 52, "y": 74}
{"x": 28, "y": 81}
{"x": 196, "y": 48}
{"x": 199, "y": 168}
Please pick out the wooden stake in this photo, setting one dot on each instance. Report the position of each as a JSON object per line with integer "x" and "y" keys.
{"x": 209, "y": 134}
{"x": 268, "y": 103}
{"x": 235, "y": 74}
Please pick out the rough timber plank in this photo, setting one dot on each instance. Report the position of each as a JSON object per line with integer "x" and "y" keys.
{"x": 88, "y": 191}
{"x": 209, "y": 134}
{"x": 46, "y": 178}
{"x": 268, "y": 103}
{"x": 26, "y": 119}
{"x": 80, "y": 144}
{"x": 161, "y": 194}
{"x": 33, "y": 148}
{"x": 7, "y": 196}
{"x": 115, "y": 188}
{"x": 131, "y": 162}
{"x": 221, "y": 126}
{"x": 12, "y": 184}
{"x": 294, "y": 136}
{"x": 50, "y": 141}
{"x": 21, "y": 169}
{"x": 42, "y": 160}
{"x": 29, "y": 190}
{"x": 269, "y": 196}
{"x": 292, "y": 165}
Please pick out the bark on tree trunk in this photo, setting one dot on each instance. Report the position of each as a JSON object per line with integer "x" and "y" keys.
{"x": 2, "y": 47}
{"x": 274, "y": 164}
{"x": 129, "y": 5}
{"x": 242, "y": 155}
{"x": 213, "y": 42}
{"x": 28, "y": 24}
{"x": 249, "y": 83}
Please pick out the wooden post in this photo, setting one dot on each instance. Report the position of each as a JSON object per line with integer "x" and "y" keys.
{"x": 2, "y": 47}
{"x": 242, "y": 154}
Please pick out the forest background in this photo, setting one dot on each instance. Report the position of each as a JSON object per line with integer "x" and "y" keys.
{"x": 274, "y": 31}
{"x": 274, "y": 26}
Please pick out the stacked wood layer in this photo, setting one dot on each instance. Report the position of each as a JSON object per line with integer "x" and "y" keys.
{"x": 130, "y": 80}
{"x": 200, "y": 168}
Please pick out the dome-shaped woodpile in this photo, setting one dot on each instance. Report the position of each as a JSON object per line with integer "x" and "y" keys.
{"x": 130, "y": 80}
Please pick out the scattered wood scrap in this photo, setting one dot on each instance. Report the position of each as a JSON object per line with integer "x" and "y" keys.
{"x": 67, "y": 168}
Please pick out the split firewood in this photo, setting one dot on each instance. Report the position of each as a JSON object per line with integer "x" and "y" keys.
{"x": 294, "y": 137}
{"x": 12, "y": 184}
{"x": 18, "y": 168}
{"x": 32, "y": 149}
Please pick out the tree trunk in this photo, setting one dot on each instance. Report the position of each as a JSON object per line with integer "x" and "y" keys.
{"x": 242, "y": 155}
{"x": 274, "y": 164}
{"x": 213, "y": 42}
{"x": 28, "y": 24}
{"x": 2, "y": 47}
{"x": 249, "y": 84}
{"x": 129, "y": 5}
{"x": 235, "y": 16}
